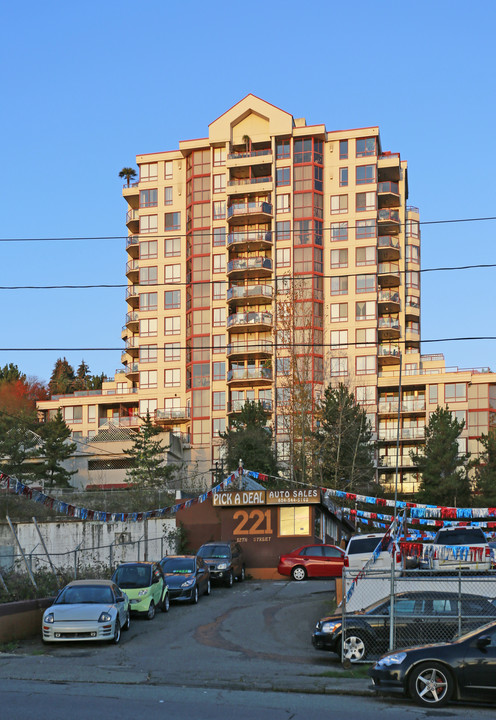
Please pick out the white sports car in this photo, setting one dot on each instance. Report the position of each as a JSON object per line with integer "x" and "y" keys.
{"x": 87, "y": 610}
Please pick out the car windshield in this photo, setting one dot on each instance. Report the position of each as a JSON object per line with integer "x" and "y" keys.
{"x": 85, "y": 594}
{"x": 178, "y": 565}
{"x": 478, "y": 631}
{"x": 133, "y": 576}
{"x": 363, "y": 545}
{"x": 214, "y": 551}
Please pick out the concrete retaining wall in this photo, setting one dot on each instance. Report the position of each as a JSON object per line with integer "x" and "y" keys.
{"x": 19, "y": 620}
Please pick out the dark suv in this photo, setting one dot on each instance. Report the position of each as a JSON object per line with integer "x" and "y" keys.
{"x": 225, "y": 561}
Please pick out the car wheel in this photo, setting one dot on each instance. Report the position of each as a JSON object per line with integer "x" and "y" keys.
{"x": 117, "y": 633}
{"x": 354, "y": 647}
{"x": 241, "y": 576}
{"x": 431, "y": 684}
{"x": 166, "y": 603}
{"x": 127, "y": 624}
{"x": 151, "y": 611}
{"x": 230, "y": 579}
{"x": 195, "y": 596}
{"x": 208, "y": 588}
{"x": 299, "y": 573}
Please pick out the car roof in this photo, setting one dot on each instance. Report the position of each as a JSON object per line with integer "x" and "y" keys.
{"x": 174, "y": 557}
{"x": 138, "y": 562}
{"x": 90, "y": 582}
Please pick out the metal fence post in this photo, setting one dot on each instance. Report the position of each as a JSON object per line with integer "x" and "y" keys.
{"x": 31, "y": 576}
{"x": 343, "y": 616}
{"x": 459, "y": 601}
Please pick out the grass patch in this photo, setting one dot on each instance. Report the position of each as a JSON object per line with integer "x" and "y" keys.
{"x": 9, "y": 647}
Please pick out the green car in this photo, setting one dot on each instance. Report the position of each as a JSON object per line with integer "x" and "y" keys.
{"x": 145, "y": 586}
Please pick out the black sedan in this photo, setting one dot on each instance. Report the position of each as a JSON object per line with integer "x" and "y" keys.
{"x": 420, "y": 617}
{"x": 187, "y": 577}
{"x": 434, "y": 674}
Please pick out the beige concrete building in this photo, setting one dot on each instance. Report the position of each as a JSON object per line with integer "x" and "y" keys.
{"x": 266, "y": 245}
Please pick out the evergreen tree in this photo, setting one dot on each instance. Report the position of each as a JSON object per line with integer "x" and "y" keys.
{"x": 249, "y": 439}
{"x": 485, "y": 471}
{"x": 18, "y": 445}
{"x": 55, "y": 449}
{"x": 443, "y": 470}
{"x": 62, "y": 378}
{"x": 344, "y": 444}
{"x": 149, "y": 456}
{"x": 11, "y": 373}
{"x": 95, "y": 382}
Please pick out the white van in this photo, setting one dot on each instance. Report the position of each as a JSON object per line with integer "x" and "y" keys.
{"x": 360, "y": 549}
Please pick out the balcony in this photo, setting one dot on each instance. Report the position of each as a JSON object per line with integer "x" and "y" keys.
{"x": 389, "y": 461}
{"x": 132, "y": 296}
{"x": 250, "y": 321}
{"x": 390, "y": 407}
{"x": 249, "y": 267}
{"x": 261, "y": 184}
{"x": 124, "y": 421}
{"x": 408, "y": 433}
{"x": 249, "y": 240}
{"x": 388, "y": 194}
{"x": 131, "y": 194}
{"x": 172, "y": 416}
{"x": 389, "y": 168}
{"x": 389, "y": 328}
{"x": 253, "y": 348}
{"x": 132, "y": 270}
{"x": 388, "y": 221}
{"x": 132, "y": 245}
{"x": 388, "y": 247}
{"x": 132, "y": 348}
{"x": 253, "y": 211}
{"x": 132, "y": 220}
{"x": 249, "y": 294}
{"x": 132, "y": 321}
{"x": 389, "y": 301}
{"x": 250, "y": 375}
{"x": 388, "y": 274}
{"x": 389, "y": 354}
{"x": 237, "y": 405}
{"x": 254, "y": 157}
{"x": 132, "y": 371}
{"x": 412, "y": 307}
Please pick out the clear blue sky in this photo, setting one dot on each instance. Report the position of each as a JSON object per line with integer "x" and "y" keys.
{"x": 87, "y": 86}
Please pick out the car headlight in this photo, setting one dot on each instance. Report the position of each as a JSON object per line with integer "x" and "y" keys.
{"x": 104, "y": 617}
{"x": 330, "y": 627}
{"x": 49, "y": 618}
{"x": 142, "y": 593}
{"x": 394, "y": 659}
{"x": 222, "y": 566}
{"x": 188, "y": 583}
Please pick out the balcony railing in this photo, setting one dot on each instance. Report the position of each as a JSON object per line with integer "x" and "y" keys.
{"x": 132, "y": 265}
{"x": 132, "y": 215}
{"x": 252, "y": 373}
{"x": 391, "y": 406}
{"x": 132, "y": 368}
{"x": 121, "y": 421}
{"x": 388, "y": 241}
{"x": 132, "y": 291}
{"x": 250, "y": 291}
{"x": 252, "y": 346}
{"x": 387, "y": 214}
{"x": 388, "y": 296}
{"x": 253, "y": 263}
{"x": 390, "y": 461}
{"x": 130, "y": 185}
{"x": 132, "y": 240}
{"x": 389, "y": 324}
{"x": 388, "y": 187}
{"x": 249, "y": 208}
{"x": 249, "y": 181}
{"x": 172, "y": 413}
{"x": 249, "y": 318}
{"x": 249, "y": 236}
{"x": 252, "y": 153}
{"x": 389, "y": 351}
{"x": 238, "y": 405}
{"x": 132, "y": 317}
{"x": 412, "y": 433}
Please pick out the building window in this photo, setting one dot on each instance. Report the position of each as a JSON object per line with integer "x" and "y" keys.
{"x": 339, "y": 258}
{"x": 172, "y": 273}
{"x": 172, "y": 299}
{"x": 366, "y": 147}
{"x": 172, "y": 221}
{"x": 343, "y": 149}
{"x": 148, "y": 249}
{"x": 219, "y": 209}
{"x": 282, "y": 366}
{"x": 172, "y": 352}
{"x": 366, "y": 228}
{"x": 283, "y": 176}
{"x": 365, "y": 310}
{"x": 148, "y": 353}
{"x": 365, "y": 256}
{"x": 148, "y": 301}
{"x": 283, "y": 230}
{"x": 218, "y": 371}
{"x": 283, "y": 257}
{"x": 218, "y": 427}
{"x": 172, "y": 247}
{"x": 365, "y": 364}
{"x": 219, "y": 184}
{"x": 339, "y": 204}
{"x": 73, "y": 415}
{"x": 148, "y": 224}
{"x": 219, "y": 291}
{"x": 148, "y": 327}
{"x": 148, "y": 198}
{"x": 218, "y": 344}
{"x": 92, "y": 413}
{"x": 148, "y": 276}
{"x": 412, "y": 228}
{"x": 283, "y": 285}
{"x": 168, "y": 170}
{"x": 219, "y": 263}
{"x": 413, "y": 253}
{"x": 172, "y": 378}
{"x": 147, "y": 406}
{"x": 339, "y": 338}
{"x": 366, "y": 395}
{"x": 339, "y": 312}
{"x": 365, "y": 337}
{"x": 219, "y": 237}
{"x": 339, "y": 367}
{"x": 219, "y": 317}
{"x": 148, "y": 171}
{"x": 168, "y": 196}
{"x": 283, "y": 149}
{"x": 365, "y": 201}
{"x": 365, "y": 283}
{"x": 148, "y": 379}
{"x": 172, "y": 326}
{"x": 365, "y": 174}
{"x": 219, "y": 156}
{"x": 343, "y": 177}
{"x": 339, "y": 232}
{"x": 283, "y": 203}
{"x": 339, "y": 285}
{"x": 455, "y": 392}
{"x": 433, "y": 395}
{"x": 219, "y": 401}
{"x": 412, "y": 279}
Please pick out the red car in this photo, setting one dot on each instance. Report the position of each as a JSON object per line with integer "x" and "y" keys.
{"x": 312, "y": 561}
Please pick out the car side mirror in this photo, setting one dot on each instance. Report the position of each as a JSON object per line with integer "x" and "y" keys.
{"x": 156, "y": 579}
{"x": 201, "y": 570}
{"x": 120, "y": 598}
{"x": 483, "y": 642}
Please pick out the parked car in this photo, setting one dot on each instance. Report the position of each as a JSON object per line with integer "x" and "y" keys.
{"x": 87, "y": 610}
{"x": 145, "y": 585}
{"x": 311, "y": 561}
{"x": 434, "y": 674}
{"x": 187, "y": 577}
{"x": 224, "y": 560}
{"x": 360, "y": 549}
{"x": 458, "y": 548}
{"x": 421, "y": 616}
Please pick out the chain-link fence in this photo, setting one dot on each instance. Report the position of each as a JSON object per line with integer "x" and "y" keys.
{"x": 380, "y": 613}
